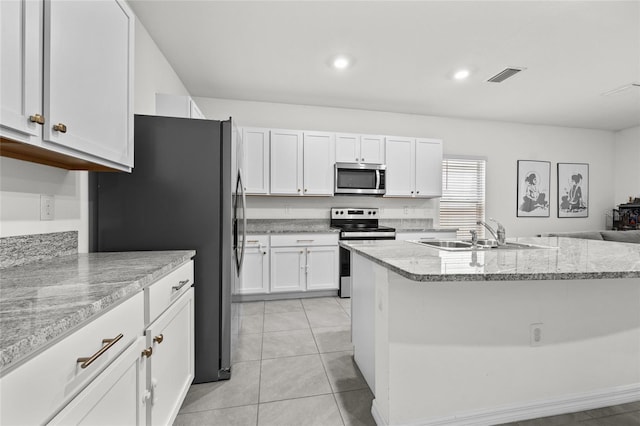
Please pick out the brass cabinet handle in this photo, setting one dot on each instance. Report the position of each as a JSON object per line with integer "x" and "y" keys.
{"x": 298, "y": 189}
{"x": 36, "y": 118}
{"x": 60, "y": 128}
{"x": 159, "y": 338}
{"x": 180, "y": 285}
{"x": 147, "y": 352}
{"x": 305, "y": 190}
{"x": 264, "y": 252}
{"x": 87, "y": 361}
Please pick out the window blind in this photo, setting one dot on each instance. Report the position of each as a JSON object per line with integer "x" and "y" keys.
{"x": 463, "y": 194}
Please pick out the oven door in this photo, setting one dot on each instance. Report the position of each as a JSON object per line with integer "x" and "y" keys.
{"x": 357, "y": 178}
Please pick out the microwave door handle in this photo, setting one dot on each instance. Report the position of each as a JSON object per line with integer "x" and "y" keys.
{"x": 377, "y": 179}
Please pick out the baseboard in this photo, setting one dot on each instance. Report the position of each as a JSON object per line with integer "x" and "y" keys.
{"x": 281, "y": 296}
{"x": 533, "y": 410}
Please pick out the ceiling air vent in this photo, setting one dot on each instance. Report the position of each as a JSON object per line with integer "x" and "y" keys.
{"x": 504, "y": 74}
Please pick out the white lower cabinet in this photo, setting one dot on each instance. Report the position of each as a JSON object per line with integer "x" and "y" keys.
{"x": 124, "y": 367}
{"x": 115, "y": 397}
{"x": 171, "y": 364}
{"x": 35, "y": 391}
{"x": 254, "y": 276}
{"x": 289, "y": 263}
{"x": 304, "y": 262}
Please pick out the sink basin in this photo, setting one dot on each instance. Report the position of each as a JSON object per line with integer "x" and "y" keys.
{"x": 447, "y": 245}
{"x": 483, "y": 244}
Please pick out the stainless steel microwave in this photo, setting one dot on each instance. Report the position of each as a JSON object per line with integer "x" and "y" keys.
{"x": 360, "y": 178}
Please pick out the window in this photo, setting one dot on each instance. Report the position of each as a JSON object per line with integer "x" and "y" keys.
{"x": 463, "y": 188}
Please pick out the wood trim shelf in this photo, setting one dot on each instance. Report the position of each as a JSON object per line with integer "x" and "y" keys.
{"x": 35, "y": 154}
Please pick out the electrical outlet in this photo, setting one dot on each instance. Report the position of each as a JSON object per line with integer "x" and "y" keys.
{"x": 46, "y": 207}
{"x": 535, "y": 334}
{"x": 287, "y": 210}
{"x": 406, "y": 209}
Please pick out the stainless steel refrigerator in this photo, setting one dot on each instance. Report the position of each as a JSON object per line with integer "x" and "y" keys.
{"x": 185, "y": 192}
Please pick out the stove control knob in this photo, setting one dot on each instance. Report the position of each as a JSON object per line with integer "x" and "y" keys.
{"x": 373, "y": 213}
{"x": 369, "y": 212}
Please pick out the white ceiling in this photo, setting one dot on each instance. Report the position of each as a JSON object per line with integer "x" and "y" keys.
{"x": 406, "y": 52}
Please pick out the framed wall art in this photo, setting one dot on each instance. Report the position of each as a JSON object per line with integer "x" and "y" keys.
{"x": 573, "y": 190}
{"x": 533, "y": 188}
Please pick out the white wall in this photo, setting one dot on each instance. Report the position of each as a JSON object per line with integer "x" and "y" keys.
{"x": 501, "y": 143}
{"x": 22, "y": 183}
{"x": 627, "y": 161}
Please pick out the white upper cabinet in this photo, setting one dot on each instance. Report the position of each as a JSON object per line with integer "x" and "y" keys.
{"x": 318, "y": 153}
{"x": 354, "y": 148}
{"x": 428, "y": 167}
{"x": 256, "y": 160}
{"x": 21, "y": 115}
{"x": 286, "y": 162}
{"x": 301, "y": 162}
{"x": 177, "y": 106}
{"x": 400, "y": 176}
{"x": 414, "y": 167}
{"x": 88, "y": 74}
{"x": 67, "y": 83}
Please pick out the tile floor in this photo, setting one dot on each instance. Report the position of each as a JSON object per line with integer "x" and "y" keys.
{"x": 292, "y": 365}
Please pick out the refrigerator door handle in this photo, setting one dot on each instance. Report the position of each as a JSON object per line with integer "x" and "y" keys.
{"x": 243, "y": 196}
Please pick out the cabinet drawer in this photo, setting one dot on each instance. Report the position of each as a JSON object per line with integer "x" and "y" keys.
{"x": 257, "y": 241}
{"x": 166, "y": 290}
{"x": 47, "y": 382}
{"x": 304, "y": 240}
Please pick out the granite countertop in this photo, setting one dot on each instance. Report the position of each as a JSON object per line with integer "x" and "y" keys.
{"x": 289, "y": 226}
{"x": 43, "y": 301}
{"x": 566, "y": 258}
{"x": 296, "y": 226}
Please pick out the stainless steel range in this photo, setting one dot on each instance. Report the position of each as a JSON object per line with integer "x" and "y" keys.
{"x": 356, "y": 224}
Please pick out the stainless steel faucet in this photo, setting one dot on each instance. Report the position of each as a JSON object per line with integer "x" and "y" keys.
{"x": 499, "y": 235}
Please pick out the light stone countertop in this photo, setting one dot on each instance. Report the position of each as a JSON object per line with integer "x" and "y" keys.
{"x": 298, "y": 226}
{"x": 567, "y": 258}
{"x": 44, "y": 301}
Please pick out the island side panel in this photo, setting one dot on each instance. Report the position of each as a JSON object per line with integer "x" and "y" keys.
{"x": 462, "y": 349}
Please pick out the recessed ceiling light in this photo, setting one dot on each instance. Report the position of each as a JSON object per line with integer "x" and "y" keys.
{"x": 341, "y": 62}
{"x": 461, "y": 74}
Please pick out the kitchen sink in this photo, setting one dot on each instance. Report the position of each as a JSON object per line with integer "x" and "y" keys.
{"x": 482, "y": 244}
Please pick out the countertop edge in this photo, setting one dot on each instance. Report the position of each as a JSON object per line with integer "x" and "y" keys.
{"x": 16, "y": 354}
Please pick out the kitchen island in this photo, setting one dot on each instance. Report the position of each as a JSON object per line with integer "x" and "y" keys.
{"x": 490, "y": 336}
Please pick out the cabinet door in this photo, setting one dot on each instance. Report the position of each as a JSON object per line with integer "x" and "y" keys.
{"x": 428, "y": 168}
{"x": 286, "y": 162}
{"x": 115, "y": 397}
{"x": 372, "y": 149}
{"x": 287, "y": 269}
{"x": 21, "y": 58}
{"x": 254, "y": 276}
{"x": 322, "y": 268}
{"x": 347, "y": 148}
{"x": 171, "y": 364}
{"x": 256, "y": 153}
{"x": 400, "y": 177}
{"x": 88, "y": 69}
{"x": 319, "y": 154}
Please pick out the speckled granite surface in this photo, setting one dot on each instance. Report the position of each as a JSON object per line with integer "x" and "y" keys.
{"x": 567, "y": 258}
{"x": 42, "y": 301}
{"x": 288, "y": 226}
{"x": 25, "y": 249}
{"x": 294, "y": 226}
